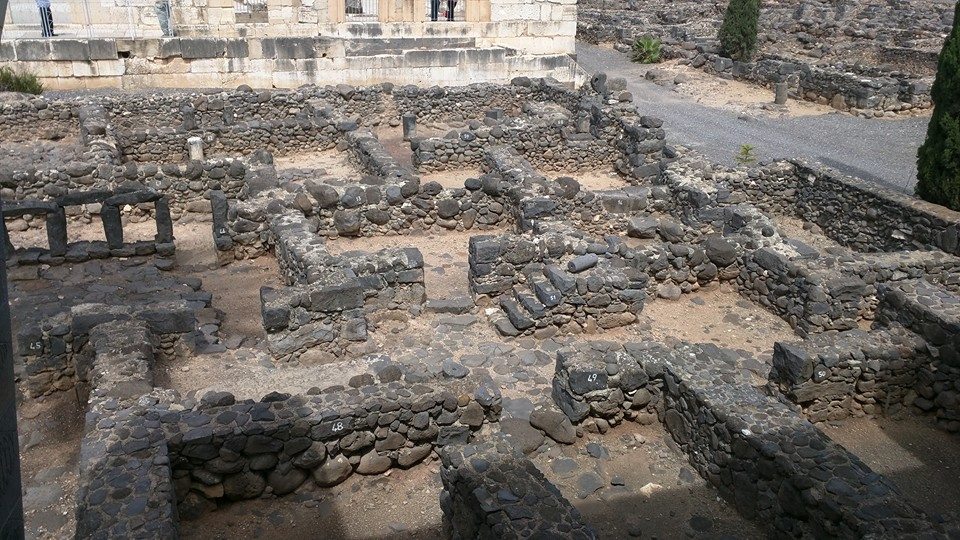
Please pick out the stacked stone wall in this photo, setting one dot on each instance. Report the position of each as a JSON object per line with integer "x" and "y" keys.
{"x": 492, "y": 491}
{"x": 770, "y": 463}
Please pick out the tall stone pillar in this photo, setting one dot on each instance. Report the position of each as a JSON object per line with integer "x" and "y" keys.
{"x": 11, "y": 503}
{"x": 112, "y": 225}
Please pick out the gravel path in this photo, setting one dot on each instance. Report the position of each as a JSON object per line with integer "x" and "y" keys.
{"x": 883, "y": 151}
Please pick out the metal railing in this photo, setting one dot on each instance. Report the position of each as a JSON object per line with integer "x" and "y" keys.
{"x": 363, "y": 10}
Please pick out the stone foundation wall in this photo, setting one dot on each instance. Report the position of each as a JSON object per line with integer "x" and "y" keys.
{"x": 37, "y": 118}
{"x": 226, "y": 450}
{"x": 490, "y": 490}
{"x": 125, "y": 487}
{"x": 761, "y": 455}
{"x": 852, "y": 373}
{"x": 52, "y": 351}
{"x": 853, "y": 212}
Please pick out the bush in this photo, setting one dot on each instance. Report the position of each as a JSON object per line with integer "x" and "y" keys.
{"x": 11, "y": 81}
{"x": 746, "y": 156}
{"x": 738, "y": 33}
{"x": 938, "y": 160}
{"x": 646, "y": 50}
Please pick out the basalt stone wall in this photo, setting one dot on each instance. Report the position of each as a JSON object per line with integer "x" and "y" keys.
{"x": 125, "y": 488}
{"x": 842, "y": 88}
{"x": 770, "y": 463}
{"x": 328, "y": 297}
{"x": 490, "y": 490}
{"x": 280, "y": 137}
{"x": 441, "y": 104}
{"x": 390, "y": 278}
{"x": 368, "y": 153}
{"x": 52, "y": 350}
{"x": 227, "y": 450}
{"x": 185, "y": 186}
{"x": 37, "y": 118}
{"x": 211, "y": 110}
{"x": 552, "y": 146}
{"x": 934, "y": 314}
{"x": 817, "y": 293}
{"x": 852, "y": 373}
{"x": 363, "y": 210}
{"x": 853, "y": 212}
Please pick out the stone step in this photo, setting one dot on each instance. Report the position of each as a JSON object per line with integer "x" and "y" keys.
{"x": 546, "y": 292}
{"x": 517, "y": 315}
{"x": 457, "y": 305}
{"x": 561, "y": 279}
{"x": 528, "y": 301}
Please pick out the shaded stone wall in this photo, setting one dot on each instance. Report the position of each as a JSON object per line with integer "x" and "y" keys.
{"x": 762, "y": 456}
{"x": 490, "y": 490}
{"x": 853, "y": 212}
{"x": 52, "y": 350}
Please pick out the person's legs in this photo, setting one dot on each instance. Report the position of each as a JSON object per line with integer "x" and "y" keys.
{"x": 46, "y": 24}
{"x": 451, "y": 4}
{"x": 434, "y": 9}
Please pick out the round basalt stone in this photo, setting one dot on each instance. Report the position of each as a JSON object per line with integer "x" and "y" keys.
{"x": 377, "y": 216}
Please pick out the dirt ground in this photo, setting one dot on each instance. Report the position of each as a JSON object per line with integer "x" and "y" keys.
{"x": 921, "y": 460}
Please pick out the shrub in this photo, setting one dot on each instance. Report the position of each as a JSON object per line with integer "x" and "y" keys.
{"x": 746, "y": 156}
{"x": 738, "y": 33}
{"x": 11, "y": 81}
{"x": 646, "y": 50}
{"x": 938, "y": 160}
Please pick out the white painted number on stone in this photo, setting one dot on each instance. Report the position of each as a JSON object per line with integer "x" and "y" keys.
{"x": 36, "y": 345}
{"x": 592, "y": 377}
{"x": 337, "y": 426}
{"x": 222, "y": 231}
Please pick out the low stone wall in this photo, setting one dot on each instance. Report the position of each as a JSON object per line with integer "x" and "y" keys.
{"x": 366, "y": 151}
{"x": 854, "y": 212}
{"x": 52, "y": 350}
{"x": 185, "y": 187}
{"x": 852, "y": 373}
{"x": 934, "y": 314}
{"x": 125, "y": 488}
{"x": 37, "y": 118}
{"x": 280, "y": 137}
{"x": 227, "y": 450}
{"x": 590, "y": 136}
{"x": 761, "y": 455}
{"x": 817, "y": 293}
{"x": 490, "y": 490}
{"x": 143, "y": 451}
{"x": 874, "y": 90}
{"x": 327, "y": 300}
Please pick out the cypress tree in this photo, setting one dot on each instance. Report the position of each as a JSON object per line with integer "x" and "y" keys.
{"x": 938, "y": 160}
{"x": 738, "y": 33}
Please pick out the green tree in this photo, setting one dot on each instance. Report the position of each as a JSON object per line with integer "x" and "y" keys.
{"x": 938, "y": 160}
{"x": 738, "y": 33}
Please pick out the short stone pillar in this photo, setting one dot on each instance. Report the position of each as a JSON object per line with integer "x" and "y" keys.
{"x": 112, "y": 225}
{"x": 57, "y": 232}
{"x": 164, "y": 221}
{"x": 195, "y": 146}
{"x": 782, "y": 93}
{"x": 409, "y": 126}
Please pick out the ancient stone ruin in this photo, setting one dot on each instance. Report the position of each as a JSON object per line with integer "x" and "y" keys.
{"x": 463, "y": 283}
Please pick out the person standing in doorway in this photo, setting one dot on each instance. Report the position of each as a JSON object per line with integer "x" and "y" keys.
{"x": 46, "y": 18}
